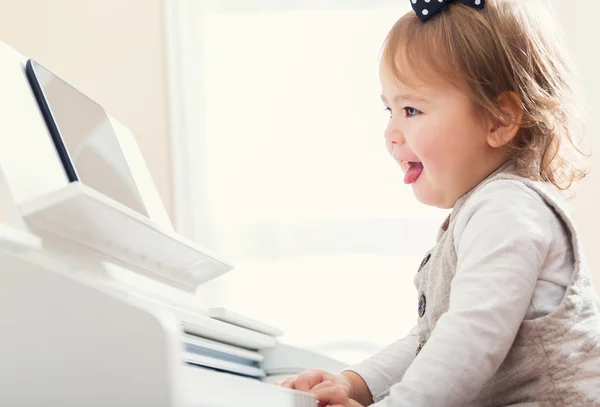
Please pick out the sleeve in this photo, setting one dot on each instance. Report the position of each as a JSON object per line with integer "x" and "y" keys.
{"x": 382, "y": 370}
{"x": 502, "y": 241}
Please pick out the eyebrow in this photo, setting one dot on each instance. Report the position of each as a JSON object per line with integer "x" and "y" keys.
{"x": 406, "y": 96}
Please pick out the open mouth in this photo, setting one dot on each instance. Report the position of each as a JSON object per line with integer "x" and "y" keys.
{"x": 413, "y": 173}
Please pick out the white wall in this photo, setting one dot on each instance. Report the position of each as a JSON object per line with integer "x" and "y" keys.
{"x": 112, "y": 50}
{"x": 579, "y": 22}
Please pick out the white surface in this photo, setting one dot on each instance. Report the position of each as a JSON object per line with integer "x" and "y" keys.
{"x": 67, "y": 344}
{"x": 80, "y": 213}
{"x": 9, "y": 211}
{"x": 191, "y": 317}
{"x": 234, "y": 335}
{"x": 14, "y": 234}
{"x": 226, "y": 315}
{"x": 28, "y": 156}
{"x": 100, "y": 349}
{"x": 221, "y": 347}
{"x": 202, "y": 326}
{"x": 224, "y": 365}
{"x": 141, "y": 174}
{"x": 18, "y": 240}
{"x": 279, "y": 377}
{"x": 205, "y": 388}
{"x": 284, "y": 358}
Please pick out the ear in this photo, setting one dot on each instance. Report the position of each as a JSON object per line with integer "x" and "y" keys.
{"x": 503, "y": 130}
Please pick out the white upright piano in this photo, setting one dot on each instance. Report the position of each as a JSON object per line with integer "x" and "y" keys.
{"x": 97, "y": 302}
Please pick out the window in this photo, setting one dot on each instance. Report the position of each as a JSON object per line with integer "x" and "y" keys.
{"x": 280, "y": 164}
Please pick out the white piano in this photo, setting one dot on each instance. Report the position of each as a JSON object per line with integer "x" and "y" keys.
{"x": 97, "y": 302}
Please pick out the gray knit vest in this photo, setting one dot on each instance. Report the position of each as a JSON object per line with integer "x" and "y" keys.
{"x": 555, "y": 359}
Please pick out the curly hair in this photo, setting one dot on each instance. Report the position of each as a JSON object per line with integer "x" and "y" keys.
{"x": 509, "y": 46}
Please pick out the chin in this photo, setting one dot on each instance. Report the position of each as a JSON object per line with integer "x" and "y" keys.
{"x": 424, "y": 198}
{"x": 429, "y": 197}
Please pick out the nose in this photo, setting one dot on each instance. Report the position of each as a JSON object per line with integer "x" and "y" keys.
{"x": 393, "y": 134}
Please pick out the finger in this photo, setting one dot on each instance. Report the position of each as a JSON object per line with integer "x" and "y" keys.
{"x": 309, "y": 379}
{"x": 330, "y": 396}
{"x": 289, "y": 382}
{"x": 322, "y": 385}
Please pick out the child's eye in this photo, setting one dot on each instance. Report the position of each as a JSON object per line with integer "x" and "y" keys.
{"x": 388, "y": 110}
{"x": 411, "y": 111}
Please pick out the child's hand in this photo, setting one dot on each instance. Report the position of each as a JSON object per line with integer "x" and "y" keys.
{"x": 330, "y": 394}
{"x": 307, "y": 381}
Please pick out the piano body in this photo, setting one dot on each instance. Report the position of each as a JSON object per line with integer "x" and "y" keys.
{"x": 97, "y": 302}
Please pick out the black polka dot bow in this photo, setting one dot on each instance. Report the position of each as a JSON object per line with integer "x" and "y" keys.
{"x": 428, "y": 8}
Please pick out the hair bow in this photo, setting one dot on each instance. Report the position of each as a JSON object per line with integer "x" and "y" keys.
{"x": 428, "y": 8}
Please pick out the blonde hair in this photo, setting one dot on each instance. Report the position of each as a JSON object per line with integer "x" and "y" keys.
{"x": 509, "y": 46}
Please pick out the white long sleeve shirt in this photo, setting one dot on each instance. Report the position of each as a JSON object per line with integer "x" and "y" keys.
{"x": 514, "y": 262}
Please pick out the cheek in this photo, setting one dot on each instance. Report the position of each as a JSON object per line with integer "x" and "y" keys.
{"x": 431, "y": 151}
{"x": 443, "y": 145}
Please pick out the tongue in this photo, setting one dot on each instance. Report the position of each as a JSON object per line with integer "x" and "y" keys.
{"x": 413, "y": 173}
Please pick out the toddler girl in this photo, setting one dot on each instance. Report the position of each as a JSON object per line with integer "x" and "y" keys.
{"x": 482, "y": 120}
